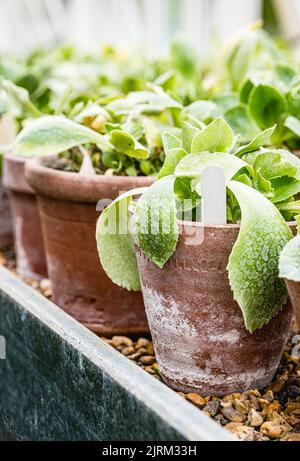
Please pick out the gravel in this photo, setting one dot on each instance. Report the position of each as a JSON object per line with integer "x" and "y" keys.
{"x": 272, "y": 413}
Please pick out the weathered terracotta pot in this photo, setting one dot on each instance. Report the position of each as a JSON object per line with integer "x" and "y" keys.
{"x": 29, "y": 246}
{"x": 6, "y": 233}
{"x": 198, "y": 330}
{"x": 294, "y": 292}
{"x": 67, "y": 203}
{"x": 7, "y": 134}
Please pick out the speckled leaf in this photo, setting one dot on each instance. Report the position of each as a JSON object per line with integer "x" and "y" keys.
{"x": 216, "y": 137}
{"x": 174, "y": 152}
{"x": 115, "y": 243}
{"x": 189, "y": 132}
{"x": 51, "y": 135}
{"x": 253, "y": 263}
{"x": 192, "y": 165}
{"x": 259, "y": 141}
{"x": 276, "y": 163}
{"x": 172, "y": 159}
{"x": 156, "y": 225}
{"x": 170, "y": 141}
{"x": 289, "y": 261}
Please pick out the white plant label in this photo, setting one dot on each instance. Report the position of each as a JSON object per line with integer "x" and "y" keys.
{"x": 213, "y": 193}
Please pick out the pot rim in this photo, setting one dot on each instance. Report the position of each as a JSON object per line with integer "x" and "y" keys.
{"x": 73, "y": 186}
{"x": 198, "y": 224}
{"x": 219, "y": 226}
{"x": 11, "y": 156}
{"x": 13, "y": 176}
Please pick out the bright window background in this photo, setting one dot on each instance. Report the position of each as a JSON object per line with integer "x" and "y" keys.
{"x": 25, "y": 24}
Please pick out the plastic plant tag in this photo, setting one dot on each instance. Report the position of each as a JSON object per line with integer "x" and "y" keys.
{"x": 213, "y": 193}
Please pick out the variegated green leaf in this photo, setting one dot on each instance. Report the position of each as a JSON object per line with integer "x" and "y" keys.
{"x": 253, "y": 263}
{"x": 156, "y": 224}
{"x": 216, "y": 137}
{"x": 115, "y": 243}
{"x": 51, "y": 135}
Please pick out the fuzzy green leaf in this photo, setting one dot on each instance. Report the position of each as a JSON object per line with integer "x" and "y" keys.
{"x": 284, "y": 188}
{"x": 115, "y": 243}
{"x": 200, "y": 110}
{"x": 172, "y": 159}
{"x": 266, "y": 104}
{"x": 156, "y": 225}
{"x": 92, "y": 111}
{"x": 259, "y": 141}
{"x": 253, "y": 263}
{"x": 293, "y": 124}
{"x": 125, "y": 143}
{"x": 51, "y": 135}
{"x": 192, "y": 165}
{"x": 189, "y": 132}
{"x": 216, "y": 137}
{"x": 184, "y": 57}
{"x": 289, "y": 261}
{"x": 143, "y": 102}
{"x": 276, "y": 163}
{"x": 174, "y": 152}
{"x": 284, "y": 74}
{"x": 20, "y": 96}
{"x": 170, "y": 141}
{"x": 240, "y": 58}
{"x": 245, "y": 90}
{"x": 242, "y": 124}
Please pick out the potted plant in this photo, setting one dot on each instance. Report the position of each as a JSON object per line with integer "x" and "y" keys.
{"x": 217, "y": 310}
{"x": 7, "y": 132}
{"x": 76, "y": 167}
{"x": 289, "y": 267}
{"x": 31, "y": 262}
{"x": 257, "y": 88}
{"x": 44, "y": 83}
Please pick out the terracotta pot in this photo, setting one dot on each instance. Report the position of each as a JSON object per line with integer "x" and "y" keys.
{"x": 6, "y": 233}
{"x": 29, "y": 246}
{"x": 198, "y": 330}
{"x": 7, "y": 134}
{"x": 294, "y": 292}
{"x": 67, "y": 203}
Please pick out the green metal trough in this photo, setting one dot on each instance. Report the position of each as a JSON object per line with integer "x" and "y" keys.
{"x": 59, "y": 381}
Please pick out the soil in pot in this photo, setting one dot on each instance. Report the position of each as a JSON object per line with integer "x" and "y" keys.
{"x": 198, "y": 329}
{"x": 6, "y": 233}
{"x": 29, "y": 246}
{"x": 67, "y": 203}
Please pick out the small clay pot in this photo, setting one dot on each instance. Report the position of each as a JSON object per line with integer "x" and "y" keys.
{"x": 67, "y": 203}
{"x": 6, "y": 233}
{"x": 294, "y": 292}
{"x": 198, "y": 330}
{"x": 29, "y": 246}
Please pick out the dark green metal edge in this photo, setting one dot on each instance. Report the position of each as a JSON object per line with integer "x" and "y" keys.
{"x": 60, "y": 382}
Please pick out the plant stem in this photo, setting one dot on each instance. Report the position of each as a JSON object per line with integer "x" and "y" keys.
{"x": 293, "y": 207}
{"x": 87, "y": 166}
{"x": 61, "y": 105}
